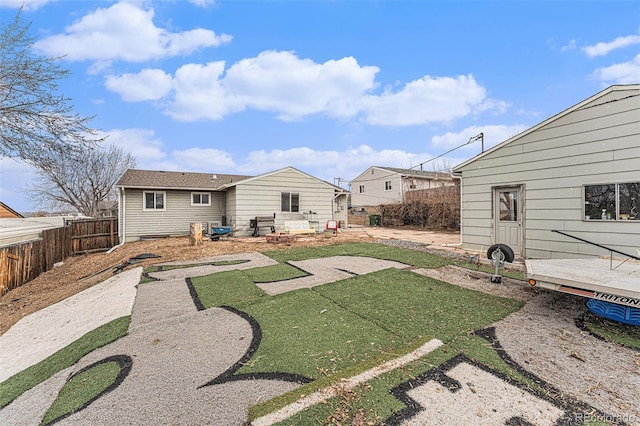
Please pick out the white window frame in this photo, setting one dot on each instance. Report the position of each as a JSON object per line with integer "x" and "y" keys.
{"x": 154, "y": 209}
{"x": 387, "y": 185}
{"x": 208, "y": 194}
{"x": 290, "y": 202}
{"x": 361, "y": 189}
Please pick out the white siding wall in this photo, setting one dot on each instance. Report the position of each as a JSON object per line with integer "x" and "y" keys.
{"x": 374, "y": 188}
{"x": 261, "y": 197}
{"x": 174, "y": 220}
{"x": 596, "y": 144}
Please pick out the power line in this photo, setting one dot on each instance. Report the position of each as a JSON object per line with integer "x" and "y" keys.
{"x": 479, "y": 136}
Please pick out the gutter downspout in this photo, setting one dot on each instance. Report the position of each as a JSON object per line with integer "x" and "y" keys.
{"x": 121, "y": 217}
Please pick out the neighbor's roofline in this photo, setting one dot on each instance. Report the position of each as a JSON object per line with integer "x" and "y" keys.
{"x": 394, "y": 170}
{"x": 614, "y": 88}
{"x": 243, "y": 181}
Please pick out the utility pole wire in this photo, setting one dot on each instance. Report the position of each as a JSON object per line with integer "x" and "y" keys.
{"x": 477, "y": 137}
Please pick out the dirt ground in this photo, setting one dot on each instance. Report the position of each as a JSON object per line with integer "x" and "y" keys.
{"x": 582, "y": 366}
{"x": 81, "y": 272}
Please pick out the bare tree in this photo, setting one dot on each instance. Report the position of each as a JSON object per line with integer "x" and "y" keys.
{"x": 34, "y": 120}
{"x": 83, "y": 182}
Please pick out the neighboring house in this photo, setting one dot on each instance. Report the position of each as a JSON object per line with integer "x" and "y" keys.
{"x": 577, "y": 172}
{"x": 107, "y": 208}
{"x": 153, "y": 203}
{"x": 386, "y": 185}
{"x": 7, "y": 212}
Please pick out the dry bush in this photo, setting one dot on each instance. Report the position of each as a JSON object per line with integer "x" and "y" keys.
{"x": 437, "y": 208}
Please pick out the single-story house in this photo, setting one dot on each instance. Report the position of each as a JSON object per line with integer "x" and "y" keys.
{"x": 577, "y": 172}
{"x": 386, "y": 185}
{"x": 153, "y": 203}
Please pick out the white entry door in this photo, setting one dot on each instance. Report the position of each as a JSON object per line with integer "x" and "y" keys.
{"x": 507, "y": 216}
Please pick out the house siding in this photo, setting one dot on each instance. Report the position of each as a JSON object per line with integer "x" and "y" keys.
{"x": 261, "y": 197}
{"x": 374, "y": 193}
{"x": 595, "y": 144}
{"x": 174, "y": 220}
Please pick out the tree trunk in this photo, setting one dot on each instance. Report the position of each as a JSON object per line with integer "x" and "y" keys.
{"x": 195, "y": 234}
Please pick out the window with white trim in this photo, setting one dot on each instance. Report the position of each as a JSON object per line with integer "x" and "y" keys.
{"x": 612, "y": 201}
{"x": 200, "y": 199}
{"x": 361, "y": 189}
{"x": 154, "y": 200}
{"x": 387, "y": 185}
{"x": 289, "y": 202}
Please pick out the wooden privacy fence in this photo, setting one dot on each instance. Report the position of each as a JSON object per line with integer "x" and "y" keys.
{"x": 90, "y": 235}
{"x": 20, "y": 263}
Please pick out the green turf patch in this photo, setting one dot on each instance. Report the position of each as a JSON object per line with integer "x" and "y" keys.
{"x": 612, "y": 331}
{"x": 269, "y": 274}
{"x": 412, "y": 305}
{"x": 380, "y": 251}
{"x": 226, "y": 288}
{"x": 64, "y": 358}
{"x": 306, "y": 334}
{"x": 81, "y": 389}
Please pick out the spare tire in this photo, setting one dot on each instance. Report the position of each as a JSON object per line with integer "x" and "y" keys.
{"x": 507, "y": 253}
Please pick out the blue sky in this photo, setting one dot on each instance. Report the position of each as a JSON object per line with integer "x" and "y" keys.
{"x": 329, "y": 87}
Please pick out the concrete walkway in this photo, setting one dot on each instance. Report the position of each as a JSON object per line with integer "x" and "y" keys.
{"x": 172, "y": 350}
{"x": 41, "y": 334}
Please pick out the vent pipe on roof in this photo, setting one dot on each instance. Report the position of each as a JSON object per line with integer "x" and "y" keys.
{"x": 214, "y": 177}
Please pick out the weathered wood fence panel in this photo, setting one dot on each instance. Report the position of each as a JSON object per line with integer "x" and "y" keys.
{"x": 20, "y": 263}
{"x": 23, "y": 262}
{"x": 89, "y": 235}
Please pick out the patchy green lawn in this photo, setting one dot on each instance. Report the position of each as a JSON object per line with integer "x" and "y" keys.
{"x": 328, "y": 332}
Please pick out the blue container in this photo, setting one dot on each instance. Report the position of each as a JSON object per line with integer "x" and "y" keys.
{"x": 615, "y": 312}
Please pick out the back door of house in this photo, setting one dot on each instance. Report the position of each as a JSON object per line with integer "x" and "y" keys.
{"x": 508, "y": 212}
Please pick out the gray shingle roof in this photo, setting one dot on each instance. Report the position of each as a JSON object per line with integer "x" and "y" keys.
{"x": 418, "y": 173}
{"x": 156, "y": 179}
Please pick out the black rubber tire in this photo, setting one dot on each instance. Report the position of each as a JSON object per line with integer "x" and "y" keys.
{"x": 506, "y": 250}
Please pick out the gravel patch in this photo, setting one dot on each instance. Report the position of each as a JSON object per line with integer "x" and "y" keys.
{"x": 542, "y": 338}
{"x": 480, "y": 281}
{"x": 45, "y": 332}
{"x": 253, "y": 260}
{"x": 327, "y": 270}
{"x": 30, "y": 407}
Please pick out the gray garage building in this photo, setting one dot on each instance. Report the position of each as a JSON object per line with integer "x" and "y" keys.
{"x": 577, "y": 172}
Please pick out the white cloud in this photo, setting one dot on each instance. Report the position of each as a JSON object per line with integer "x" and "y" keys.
{"x": 147, "y": 85}
{"x": 624, "y": 73}
{"x": 125, "y": 32}
{"x": 603, "y": 48}
{"x": 141, "y": 143}
{"x": 25, "y": 4}
{"x": 324, "y": 164}
{"x": 329, "y": 164}
{"x": 204, "y": 160}
{"x": 294, "y": 88}
{"x": 198, "y": 94}
{"x": 426, "y": 100}
{"x": 492, "y": 135}
{"x": 202, "y": 3}
{"x": 571, "y": 45}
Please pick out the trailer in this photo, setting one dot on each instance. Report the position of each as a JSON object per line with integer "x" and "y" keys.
{"x": 612, "y": 284}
